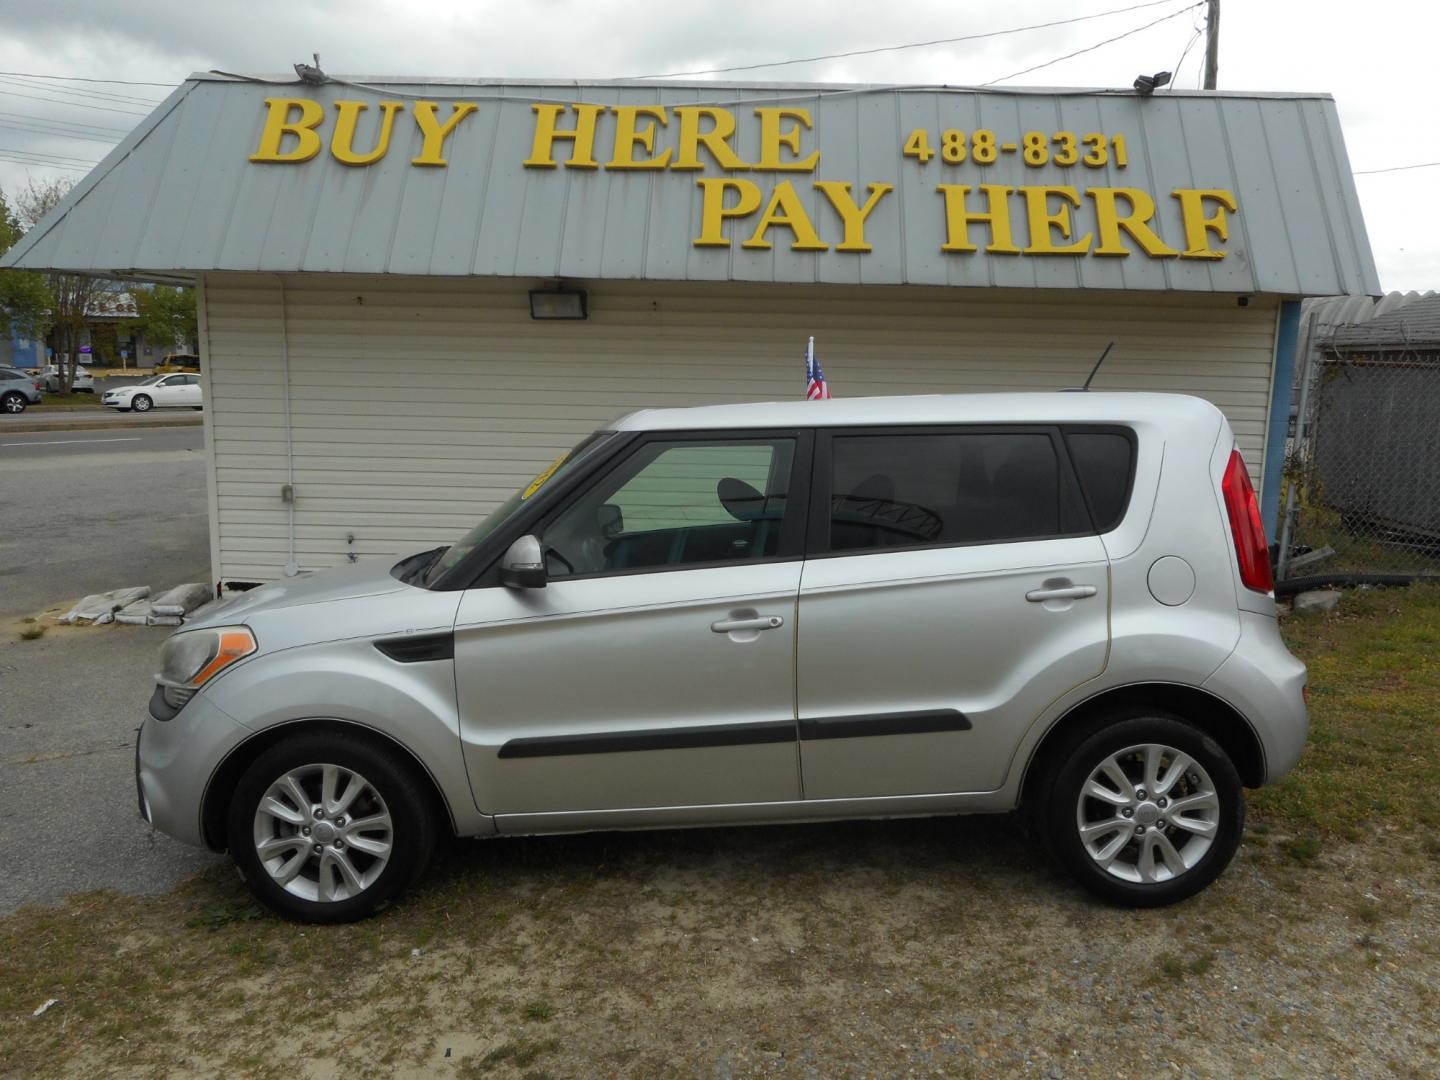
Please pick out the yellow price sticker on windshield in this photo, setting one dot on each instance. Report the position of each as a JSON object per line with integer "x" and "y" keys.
{"x": 539, "y": 481}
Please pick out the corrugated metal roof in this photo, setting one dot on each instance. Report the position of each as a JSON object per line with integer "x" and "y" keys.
{"x": 180, "y": 195}
{"x": 1416, "y": 326}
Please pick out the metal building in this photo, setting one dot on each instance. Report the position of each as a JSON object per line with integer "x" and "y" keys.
{"x": 366, "y": 253}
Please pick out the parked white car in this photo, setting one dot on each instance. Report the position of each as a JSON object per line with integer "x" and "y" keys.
{"x": 157, "y": 392}
{"x": 50, "y": 381}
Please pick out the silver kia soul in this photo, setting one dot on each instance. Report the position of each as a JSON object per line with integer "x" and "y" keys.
{"x": 756, "y": 613}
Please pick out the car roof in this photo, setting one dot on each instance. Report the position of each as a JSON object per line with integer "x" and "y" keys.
{"x": 1001, "y": 408}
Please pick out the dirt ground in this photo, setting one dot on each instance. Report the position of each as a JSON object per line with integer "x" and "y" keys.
{"x": 933, "y": 948}
{"x": 871, "y": 949}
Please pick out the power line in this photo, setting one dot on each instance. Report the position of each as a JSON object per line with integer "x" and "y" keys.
{"x": 32, "y": 118}
{"x": 71, "y": 104}
{"x": 46, "y": 164}
{"x": 81, "y": 92}
{"x": 1092, "y": 48}
{"x": 46, "y": 153}
{"x": 81, "y": 78}
{"x": 49, "y": 159}
{"x": 1175, "y": 71}
{"x": 27, "y": 129}
{"x": 1396, "y": 168}
{"x": 897, "y": 48}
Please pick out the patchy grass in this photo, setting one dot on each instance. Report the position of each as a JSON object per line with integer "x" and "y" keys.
{"x": 539, "y": 1010}
{"x": 71, "y": 401}
{"x": 930, "y": 947}
{"x": 1373, "y": 761}
{"x": 32, "y": 633}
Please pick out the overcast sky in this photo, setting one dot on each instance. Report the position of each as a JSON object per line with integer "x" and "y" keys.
{"x": 1377, "y": 59}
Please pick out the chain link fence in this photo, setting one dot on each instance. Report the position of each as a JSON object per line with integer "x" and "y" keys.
{"x": 1362, "y": 471}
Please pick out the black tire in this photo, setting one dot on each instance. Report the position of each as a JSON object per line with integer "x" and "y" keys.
{"x": 142, "y": 403}
{"x": 1060, "y": 809}
{"x": 13, "y": 403}
{"x": 405, "y": 795}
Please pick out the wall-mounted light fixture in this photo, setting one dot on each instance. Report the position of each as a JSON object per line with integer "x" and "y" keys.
{"x": 558, "y": 304}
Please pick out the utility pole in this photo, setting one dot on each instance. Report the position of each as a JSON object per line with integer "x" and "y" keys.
{"x": 1212, "y": 42}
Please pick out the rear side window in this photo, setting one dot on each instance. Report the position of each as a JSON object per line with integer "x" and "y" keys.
{"x": 1105, "y": 464}
{"x": 929, "y": 489}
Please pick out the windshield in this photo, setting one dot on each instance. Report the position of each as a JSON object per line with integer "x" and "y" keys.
{"x": 456, "y": 553}
{"x": 151, "y": 381}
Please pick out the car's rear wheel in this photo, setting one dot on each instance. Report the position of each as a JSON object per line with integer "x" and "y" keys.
{"x": 13, "y": 403}
{"x": 329, "y": 828}
{"x": 1145, "y": 811}
{"x": 141, "y": 403}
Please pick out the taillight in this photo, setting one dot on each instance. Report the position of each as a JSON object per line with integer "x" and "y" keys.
{"x": 1245, "y": 526}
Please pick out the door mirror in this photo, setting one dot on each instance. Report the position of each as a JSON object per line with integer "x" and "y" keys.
{"x": 523, "y": 566}
{"x": 610, "y": 520}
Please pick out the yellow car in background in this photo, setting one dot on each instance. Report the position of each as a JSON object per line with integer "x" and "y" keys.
{"x": 178, "y": 362}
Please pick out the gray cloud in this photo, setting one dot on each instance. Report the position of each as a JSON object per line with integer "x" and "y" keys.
{"x": 1377, "y": 64}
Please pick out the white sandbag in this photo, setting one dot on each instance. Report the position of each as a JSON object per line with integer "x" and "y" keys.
{"x": 165, "y": 620}
{"x": 90, "y": 607}
{"x": 181, "y": 600}
{"x": 136, "y": 614}
{"x": 100, "y": 607}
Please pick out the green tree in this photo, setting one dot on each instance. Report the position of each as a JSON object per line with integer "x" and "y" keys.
{"x": 71, "y": 296}
{"x": 25, "y": 298}
{"x": 167, "y": 315}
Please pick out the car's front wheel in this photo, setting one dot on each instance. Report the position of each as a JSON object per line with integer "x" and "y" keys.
{"x": 329, "y": 828}
{"x": 1146, "y": 811}
{"x": 141, "y": 403}
{"x": 13, "y": 403}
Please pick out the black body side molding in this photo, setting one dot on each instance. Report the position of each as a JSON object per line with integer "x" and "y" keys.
{"x": 906, "y": 723}
{"x": 615, "y": 742}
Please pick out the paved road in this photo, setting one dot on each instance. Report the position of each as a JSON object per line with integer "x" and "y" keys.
{"x": 82, "y": 516}
{"x": 34, "y": 446}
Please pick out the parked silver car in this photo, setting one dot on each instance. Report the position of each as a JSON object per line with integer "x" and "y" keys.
{"x": 18, "y": 390}
{"x": 756, "y": 613}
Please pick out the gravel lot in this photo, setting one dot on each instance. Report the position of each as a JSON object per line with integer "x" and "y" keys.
{"x": 872, "y": 949}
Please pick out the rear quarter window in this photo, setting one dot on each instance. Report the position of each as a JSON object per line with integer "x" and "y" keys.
{"x": 1104, "y": 461}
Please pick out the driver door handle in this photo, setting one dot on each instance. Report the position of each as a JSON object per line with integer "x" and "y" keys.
{"x": 1068, "y": 592}
{"x": 760, "y": 622}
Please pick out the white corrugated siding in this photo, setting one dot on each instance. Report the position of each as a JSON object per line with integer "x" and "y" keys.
{"x": 418, "y": 404}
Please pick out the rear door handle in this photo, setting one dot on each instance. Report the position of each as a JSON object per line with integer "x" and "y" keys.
{"x": 1068, "y": 592}
{"x": 760, "y": 622}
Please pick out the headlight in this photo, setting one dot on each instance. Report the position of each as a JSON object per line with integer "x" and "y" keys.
{"x": 191, "y": 659}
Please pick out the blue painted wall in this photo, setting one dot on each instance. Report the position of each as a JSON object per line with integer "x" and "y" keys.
{"x": 1280, "y": 394}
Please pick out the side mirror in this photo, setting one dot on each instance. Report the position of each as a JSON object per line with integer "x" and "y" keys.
{"x": 523, "y": 566}
{"x": 610, "y": 520}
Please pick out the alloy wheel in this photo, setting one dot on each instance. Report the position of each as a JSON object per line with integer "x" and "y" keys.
{"x": 323, "y": 833}
{"x": 1148, "y": 813}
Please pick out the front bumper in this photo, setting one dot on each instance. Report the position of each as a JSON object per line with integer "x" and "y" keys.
{"x": 174, "y": 761}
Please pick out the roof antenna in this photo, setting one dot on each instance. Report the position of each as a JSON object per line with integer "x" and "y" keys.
{"x": 1088, "y": 381}
{"x": 312, "y": 75}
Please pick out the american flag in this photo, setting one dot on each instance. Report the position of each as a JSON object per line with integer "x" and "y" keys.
{"x": 816, "y": 388}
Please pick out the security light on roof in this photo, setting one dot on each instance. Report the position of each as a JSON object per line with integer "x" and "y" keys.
{"x": 1145, "y": 85}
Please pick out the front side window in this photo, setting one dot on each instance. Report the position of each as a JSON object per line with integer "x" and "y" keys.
{"x": 669, "y": 505}
{"x": 457, "y": 553}
{"x": 924, "y": 489}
